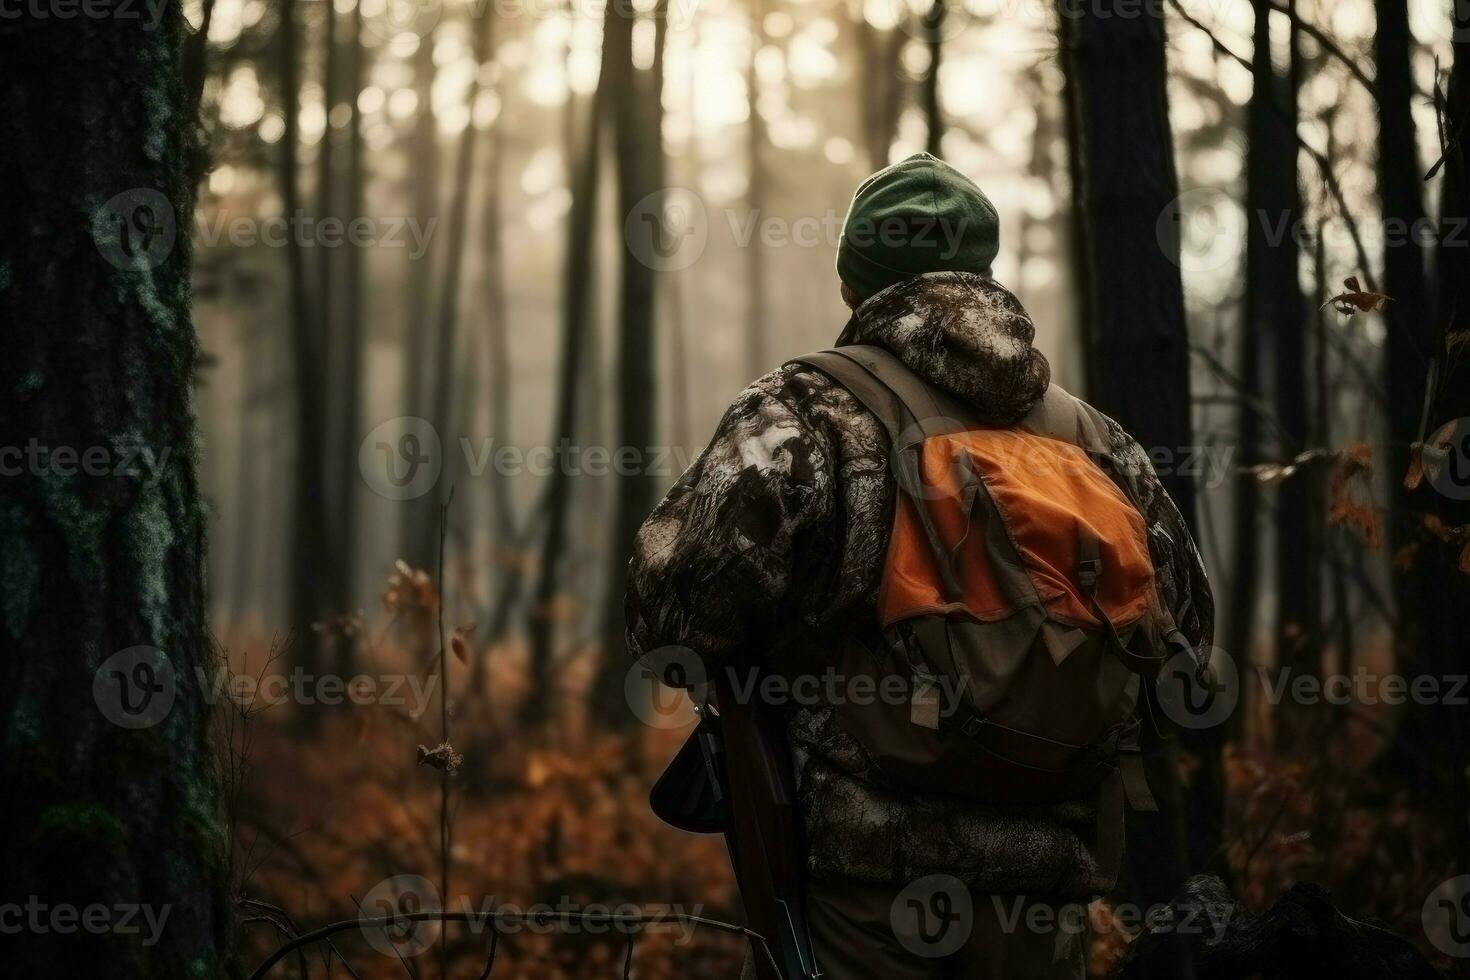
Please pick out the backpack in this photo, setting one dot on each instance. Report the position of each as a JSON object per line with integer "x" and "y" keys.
{"x": 1018, "y": 604}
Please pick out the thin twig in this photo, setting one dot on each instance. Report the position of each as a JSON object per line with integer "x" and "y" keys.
{"x": 490, "y": 956}
{"x": 444, "y": 827}
{"x": 499, "y": 919}
{"x": 281, "y": 913}
{"x": 401, "y": 959}
{"x": 1317, "y": 34}
{"x": 1323, "y": 164}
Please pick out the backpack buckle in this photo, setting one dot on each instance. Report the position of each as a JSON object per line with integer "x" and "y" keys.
{"x": 1088, "y": 571}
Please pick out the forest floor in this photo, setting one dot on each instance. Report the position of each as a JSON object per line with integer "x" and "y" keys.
{"x": 326, "y": 819}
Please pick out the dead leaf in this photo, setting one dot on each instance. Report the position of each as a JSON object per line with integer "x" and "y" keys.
{"x": 460, "y": 642}
{"x": 441, "y": 757}
{"x": 1355, "y": 299}
{"x": 1415, "y": 475}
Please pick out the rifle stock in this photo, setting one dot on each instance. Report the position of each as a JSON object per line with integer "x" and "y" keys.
{"x": 763, "y": 833}
{"x": 735, "y": 777}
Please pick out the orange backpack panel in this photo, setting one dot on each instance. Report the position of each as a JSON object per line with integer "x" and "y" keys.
{"x": 1049, "y": 495}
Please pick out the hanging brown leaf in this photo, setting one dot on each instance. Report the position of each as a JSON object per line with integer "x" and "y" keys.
{"x": 460, "y": 643}
{"x": 1414, "y": 476}
{"x": 1429, "y": 458}
{"x": 1353, "y": 516}
{"x": 1455, "y": 537}
{"x": 1355, "y": 299}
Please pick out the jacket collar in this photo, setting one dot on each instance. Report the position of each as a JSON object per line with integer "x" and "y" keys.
{"x": 963, "y": 333}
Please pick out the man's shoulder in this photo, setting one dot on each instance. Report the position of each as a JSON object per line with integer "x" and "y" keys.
{"x": 800, "y": 389}
{"x": 800, "y": 397}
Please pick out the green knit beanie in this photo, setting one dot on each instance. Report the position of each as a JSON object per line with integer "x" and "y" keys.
{"x": 917, "y": 216}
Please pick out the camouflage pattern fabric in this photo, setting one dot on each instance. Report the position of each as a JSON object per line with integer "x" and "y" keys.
{"x": 772, "y": 545}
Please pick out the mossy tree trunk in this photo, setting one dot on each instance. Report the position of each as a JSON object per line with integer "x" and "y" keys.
{"x": 101, "y": 517}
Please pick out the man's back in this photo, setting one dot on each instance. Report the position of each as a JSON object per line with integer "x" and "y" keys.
{"x": 772, "y": 548}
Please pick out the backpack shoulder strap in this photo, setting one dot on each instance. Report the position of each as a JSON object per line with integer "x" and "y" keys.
{"x": 909, "y": 408}
{"x": 1061, "y": 415}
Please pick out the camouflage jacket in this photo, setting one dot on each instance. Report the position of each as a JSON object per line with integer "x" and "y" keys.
{"x": 775, "y": 539}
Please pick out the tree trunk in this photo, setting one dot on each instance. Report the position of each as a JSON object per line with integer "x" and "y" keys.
{"x": 110, "y": 796}
{"x": 1442, "y": 756}
{"x": 933, "y": 111}
{"x": 420, "y": 517}
{"x": 1126, "y": 182}
{"x": 336, "y": 483}
{"x": 1451, "y": 400}
{"x": 446, "y": 344}
{"x": 576, "y": 326}
{"x": 878, "y": 62}
{"x": 310, "y": 562}
{"x": 1407, "y": 339}
{"x": 640, "y": 165}
{"x": 1125, "y": 187}
{"x": 349, "y": 385}
{"x": 755, "y": 196}
{"x": 1271, "y": 147}
{"x": 505, "y": 546}
{"x": 1298, "y": 631}
{"x": 497, "y": 317}
{"x": 1407, "y": 342}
